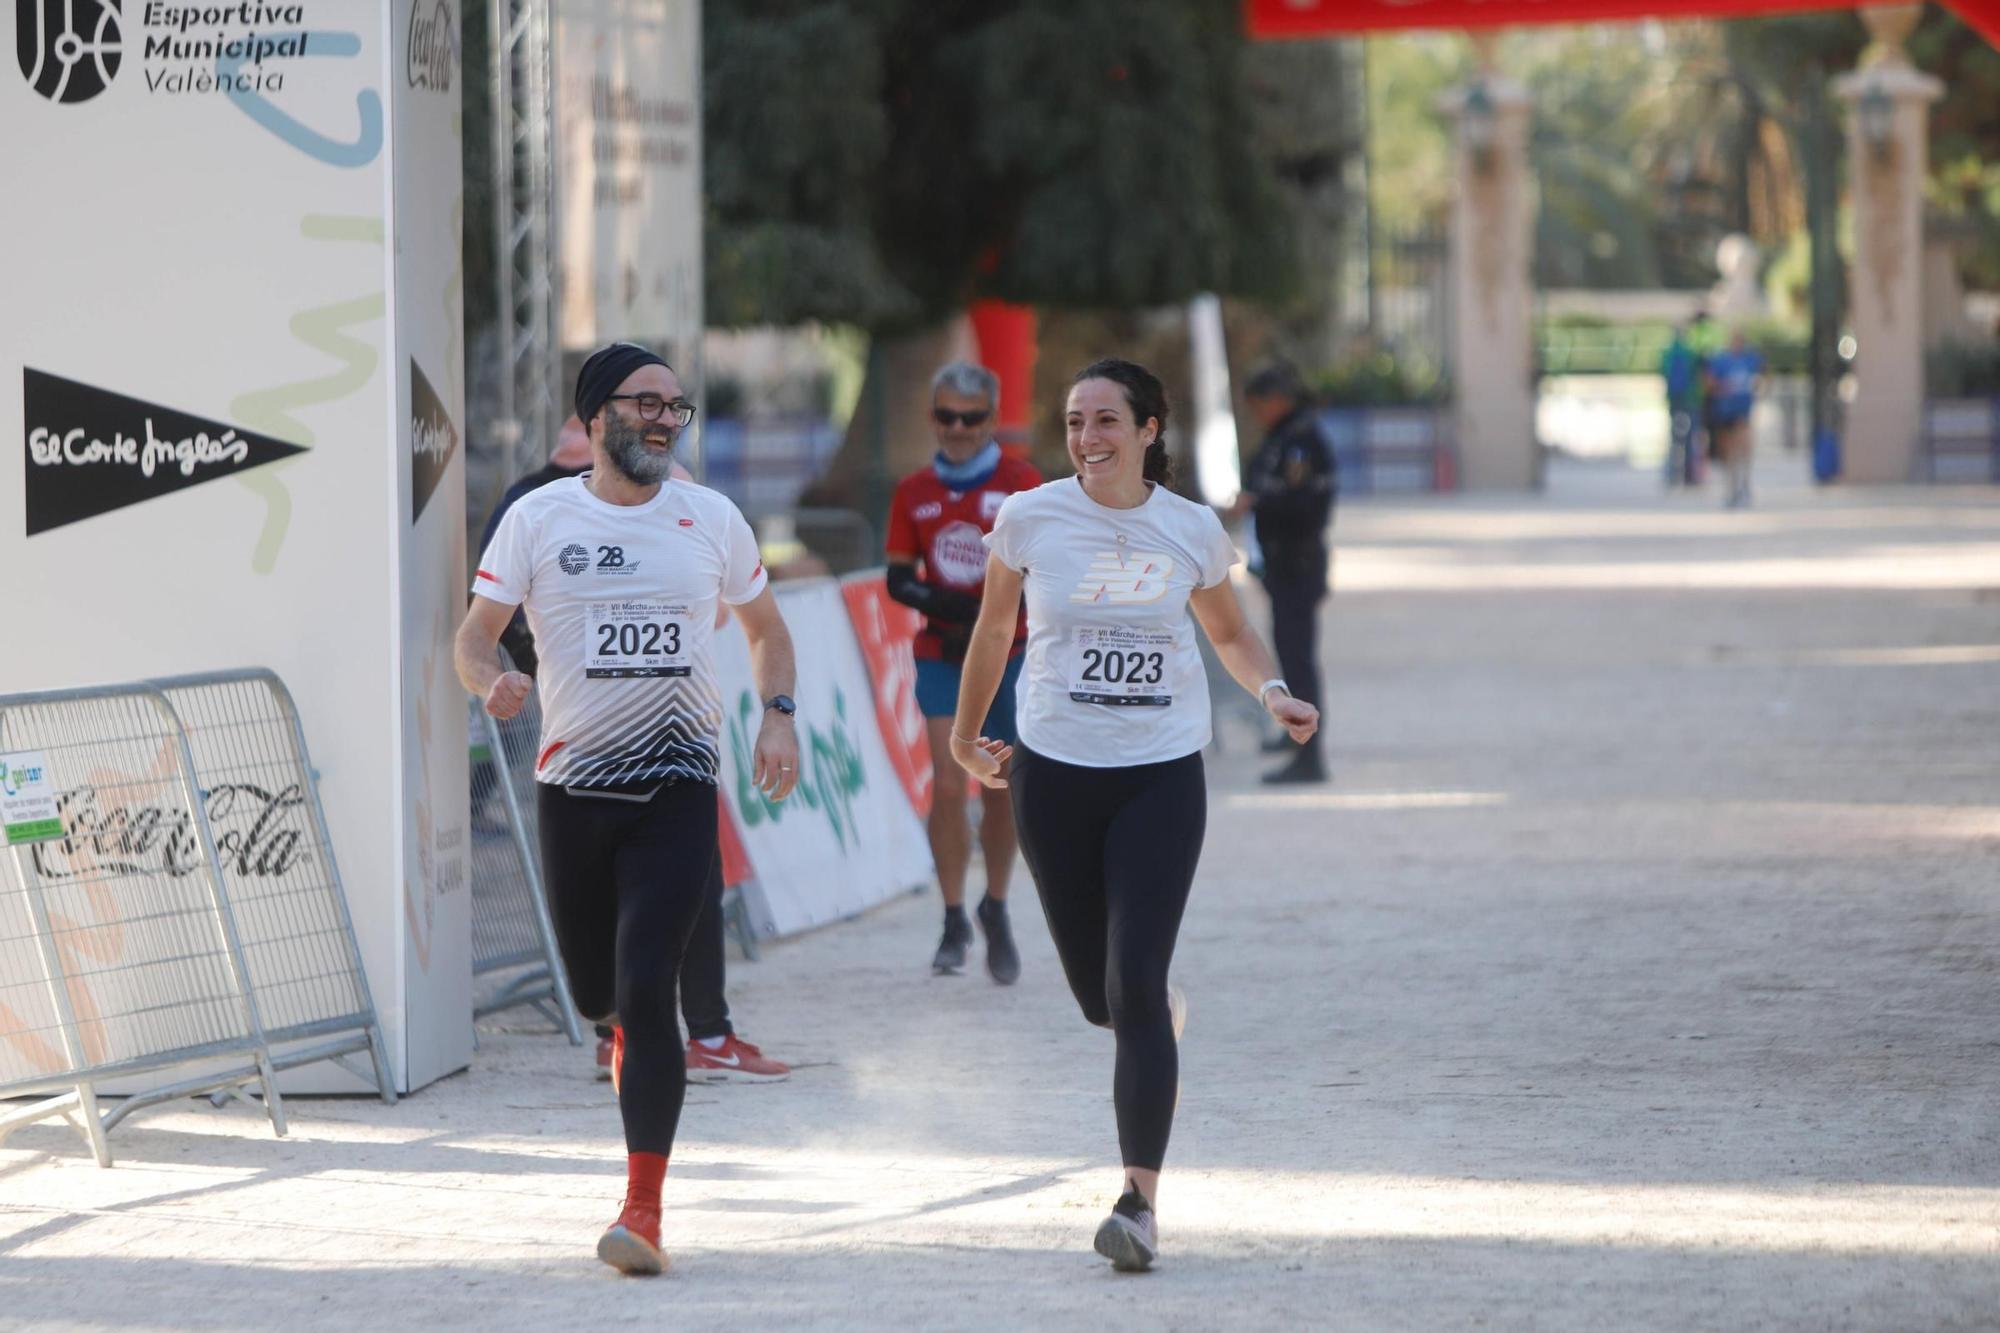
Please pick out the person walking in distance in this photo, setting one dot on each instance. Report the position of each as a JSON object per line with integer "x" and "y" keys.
{"x": 1290, "y": 489}
{"x": 937, "y": 565}
{"x": 715, "y": 1053}
{"x": 1732, "y": 388}
{"x": 1109, "y": 795}
{"x": 620, "y": 571}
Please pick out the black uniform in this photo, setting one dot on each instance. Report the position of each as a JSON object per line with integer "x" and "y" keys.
{"x": 1292, "y": 485}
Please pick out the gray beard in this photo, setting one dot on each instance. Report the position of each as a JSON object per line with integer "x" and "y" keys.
{"x": 625, "y": 446}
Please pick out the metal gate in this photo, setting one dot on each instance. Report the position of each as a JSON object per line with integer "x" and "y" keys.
{"x": 261, "y": 795}
{"x": 119, "y": 955}
{"x": 512, "y": 936}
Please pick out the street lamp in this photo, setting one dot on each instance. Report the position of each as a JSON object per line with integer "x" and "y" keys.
{"x": 1877, "y": 113}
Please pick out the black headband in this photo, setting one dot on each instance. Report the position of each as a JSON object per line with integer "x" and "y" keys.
{"x": 607, "y": 368}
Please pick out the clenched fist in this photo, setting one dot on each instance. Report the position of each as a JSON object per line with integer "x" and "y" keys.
{"x": 509, "y": 694}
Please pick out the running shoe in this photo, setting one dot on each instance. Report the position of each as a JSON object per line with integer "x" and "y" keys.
{"x": 1129, "y": 1237}
{"x": 735, "y": 1061}
{"x": 632, "y": 1245}
{"x": 1003, "y": 960}
{"x": 950, "y": 957}
{"x": 603, "y": 1059}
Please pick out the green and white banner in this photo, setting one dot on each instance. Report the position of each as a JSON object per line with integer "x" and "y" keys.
{"x": 847, "y": 838}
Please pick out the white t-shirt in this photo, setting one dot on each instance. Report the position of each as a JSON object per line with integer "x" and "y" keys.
{"x": 621, "y": 600}
{"x": 1112, "y": 676}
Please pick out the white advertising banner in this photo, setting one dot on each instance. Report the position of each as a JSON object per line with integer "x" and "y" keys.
{"x": 628, "y": 174}
{"x": 430, "y": 380}
{"x": 847, "y": 837}
{"x": 218, "y": 298}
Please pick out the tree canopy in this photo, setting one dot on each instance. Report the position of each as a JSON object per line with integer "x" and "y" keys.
{"x": 883, "y": 162}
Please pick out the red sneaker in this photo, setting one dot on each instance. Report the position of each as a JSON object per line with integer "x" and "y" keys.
{"x": 603, "y": 1059}
{"x": 632, "y": 1245}
{"x": 735, "y": 1061}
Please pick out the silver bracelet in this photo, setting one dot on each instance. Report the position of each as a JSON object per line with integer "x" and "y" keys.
{"x": 1275, "y": 683}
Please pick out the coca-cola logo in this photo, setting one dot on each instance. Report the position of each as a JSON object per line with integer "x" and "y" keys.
{"x": 259, "y": 834}
{"x": 433, "y": 52}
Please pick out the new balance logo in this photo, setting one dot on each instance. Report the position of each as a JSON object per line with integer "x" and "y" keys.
{"x": 1128, "y": 578}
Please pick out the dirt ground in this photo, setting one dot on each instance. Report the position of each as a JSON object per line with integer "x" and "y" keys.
{"x": 1638, "y": 970}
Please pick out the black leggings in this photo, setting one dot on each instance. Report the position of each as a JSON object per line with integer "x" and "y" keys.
{"x": 1113, "y": 854}
{"x": 626, "y": 881}
{"x": 704, "y": 970}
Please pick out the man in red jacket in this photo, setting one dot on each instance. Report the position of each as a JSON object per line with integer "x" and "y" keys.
{"x": 937, "y": 565}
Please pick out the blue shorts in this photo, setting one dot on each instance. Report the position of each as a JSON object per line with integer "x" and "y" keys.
{"x": 937, "y": 696}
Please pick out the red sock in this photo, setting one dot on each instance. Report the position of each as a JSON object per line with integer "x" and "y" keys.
{"x": 644, "y": 1173}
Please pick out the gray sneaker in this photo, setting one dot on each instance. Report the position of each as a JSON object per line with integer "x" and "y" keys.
{"x": 949, "y": 960}
{"x": 1003, "y": 960}
{"x": 1129, "y": 1237}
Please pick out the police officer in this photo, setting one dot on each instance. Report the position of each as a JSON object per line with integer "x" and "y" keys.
{"x": 1289, "y": 488}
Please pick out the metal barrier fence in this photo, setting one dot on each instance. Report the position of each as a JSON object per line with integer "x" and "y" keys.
{"x": 119, "y": 954}
{"x": 511, "y": 930}
{"x": 261, "y": 795}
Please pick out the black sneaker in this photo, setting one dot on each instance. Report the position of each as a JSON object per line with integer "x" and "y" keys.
{"x": 1003, "y": 960}
{"x": 1130, "y": 1238}
{"x": 949, "y": 960}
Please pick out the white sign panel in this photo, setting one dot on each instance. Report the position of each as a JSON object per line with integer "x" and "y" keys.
{"x": 430, "y": 512}
{"x": 218, "y": 298}
{"x": 628, "y": 171}
{"x": 846, "y": 838}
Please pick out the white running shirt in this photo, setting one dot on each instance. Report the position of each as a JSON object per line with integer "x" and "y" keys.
{"x": 1113, "y": 676}
{"x": 621, "y": 600}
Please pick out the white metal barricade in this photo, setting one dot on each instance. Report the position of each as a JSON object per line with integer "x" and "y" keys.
{"x": 119, "y": 955}
{"x": 513, "y": 940}
{"x": 261, "y": 795}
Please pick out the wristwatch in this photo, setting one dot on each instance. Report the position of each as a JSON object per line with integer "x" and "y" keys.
{"x": 783, "y": 703}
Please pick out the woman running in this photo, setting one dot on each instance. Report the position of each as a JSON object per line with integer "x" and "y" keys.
{"x": 1109, "y": 797}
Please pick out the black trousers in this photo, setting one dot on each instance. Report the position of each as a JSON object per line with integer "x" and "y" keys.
{"x": 627, "y": 881}
{"x": 1295, "y": 599}
{"x": 1113, "y": 854}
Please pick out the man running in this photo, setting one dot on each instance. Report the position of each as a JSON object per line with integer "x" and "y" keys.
{"x": 620, "y": 571}
{"x": 715, "y": 1054}
{"x": 938, "y": 522}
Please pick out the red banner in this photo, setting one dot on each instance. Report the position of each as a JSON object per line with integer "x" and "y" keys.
{"x": 887, "y": 631}
{"x": 1323, "y": 18}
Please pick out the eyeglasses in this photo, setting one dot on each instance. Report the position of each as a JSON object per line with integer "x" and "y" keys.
{"x": 944, "y": 417}
{"x": 651, "y": 406}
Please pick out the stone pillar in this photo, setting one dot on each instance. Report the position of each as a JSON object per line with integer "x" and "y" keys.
{"x": 1492, "y": 249}
{"x": 1888, "y": 110}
